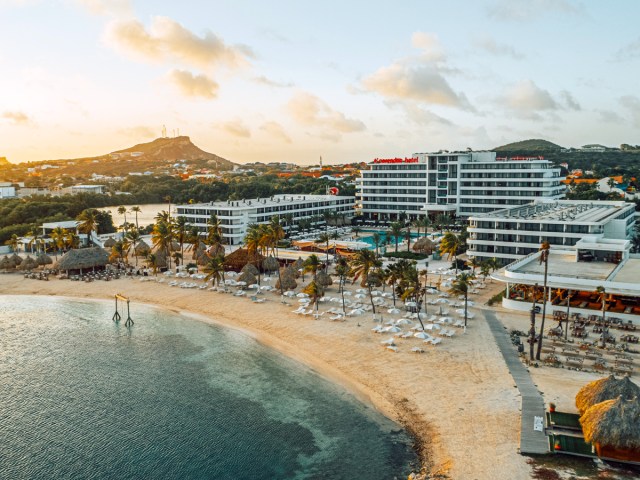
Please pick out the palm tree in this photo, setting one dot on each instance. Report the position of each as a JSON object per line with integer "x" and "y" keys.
{"x": 254, "y": 242}
{"x": 603, "y": 300}
{"x": 315, "y": 292}
{"x": 312, "y": 264}
{"x": 13, "y": 242}
{"x": 123, "y": 211}
{"x": 324, "y": 238}
{"x": 132, "y": 238}
{"x": 57, "y": 236}
{"x": 474, "y": 262}
{"x": 485, "y": 269}
{"x": 407, "y": 237}
{"x": 162, "y": 238}
{"x": 215, "y": 270}
{"x": 461, "y": 286}
{"x": 71, "y": 240}
{"x": 34, "y": 239}
{"x": 395, "y": 232}
{"x": 377, "y": 240}
{"x": 361, "y": 264}
{"x": 118, "y": 251}
{"x": 442, "y": 221}
{"x": 392, "y": 274}
{"x": 180, "y": 229}
{"x": 449, "y": 245}
{"x": 88, "y": 223}
{"x": 135, "y": 209}
{"x": 356, "y": 230}
{"x": 544, "y": 258}
{"x": 342, "y": 270}
{"x": 152, "y": 262}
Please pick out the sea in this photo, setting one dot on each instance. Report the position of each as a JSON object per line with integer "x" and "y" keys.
{"x": 172, "y": 397}
{"x": 146, "y": 216}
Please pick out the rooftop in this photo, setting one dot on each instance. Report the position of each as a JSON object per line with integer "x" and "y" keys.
{"x": 276, "y": 200}
{"x": 562, "y": 211}
{"x": 629, "y": 272}
{"x": 564, "y": 264}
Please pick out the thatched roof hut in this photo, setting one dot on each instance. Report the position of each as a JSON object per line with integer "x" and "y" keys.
{"x": 249, "y": 267}
{"x": 142, "y": 249}
{"x": 215, "y": 250}
{"x": 247, "y": 277}
{"x": 374, "y": 280}
{"x": 423, "y": 245}
{"x": 613, "y": 427}
{"x": 83, "y": 259}
{"x": 7, "y": 264}
{"x": 603, "y": 389}
{"x": 323, "y": 279}
{"x": 28, "y": 263}
{"x": 270, "y": 264}
{"x": 287, "y": 278}
{"x": 239, "y": 258}
{"x": 17, "y": 259}
{"x": 298, "y": 264}
{"x": 109, "y": 242}
{"x": 44, "y": 259}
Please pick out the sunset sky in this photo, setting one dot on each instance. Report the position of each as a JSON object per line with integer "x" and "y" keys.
{"x": 295, "y": 80}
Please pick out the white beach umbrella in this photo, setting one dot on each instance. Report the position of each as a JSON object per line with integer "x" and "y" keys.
{"x": 411, "y": 304}
{"x": 432, "y": 326}
{"x": 347, "y": 293}
{"x": 361, "y": 290}
{"x": 377, "y": 329}
{"x": 304, "y": 300}
{"x": 393, "y": 329}
{"x": 422, "y": 335}
{"x": 360, "y": 295}
{"x": 375, "y": 293}
{"x": 388, "y": 341}
{"x": 394, "y": 311}
{"x": 404, "y": 321}
{"x": 302, "y": 295}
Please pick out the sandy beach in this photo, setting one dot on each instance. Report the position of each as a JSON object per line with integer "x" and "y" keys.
{"x": 457, "y": 398}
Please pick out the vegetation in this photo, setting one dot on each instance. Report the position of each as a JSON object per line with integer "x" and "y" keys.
{"x": 406, "y": 255}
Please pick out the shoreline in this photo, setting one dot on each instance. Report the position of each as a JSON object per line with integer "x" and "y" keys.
{"x": 351, "y": 357}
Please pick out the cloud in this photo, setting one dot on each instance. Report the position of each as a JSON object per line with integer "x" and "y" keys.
{"x": 310, "y": 111}
{"x": 526, "y": 96}
{"x": 527, "y": 10}
{"x": 139, "y": 131}
{"x": 492, "y": 47}
{"x": 107, "y": 7}
{"x": 632, "y": 103}
{"x": 629, "y": 51}
{"x": 191, "y": 85}
{"x": 418, "y": 115}
{"x": 271, "y": 83}
{"x": 167, "y": 40}
{"x": 569, "y": 101}
{"x": 275, "y": 130}
{"x": 609, "y": 116}
{"x": 16, "y": 118}
{"x": 235, "y": 128}
{"x": 420, "y": 78}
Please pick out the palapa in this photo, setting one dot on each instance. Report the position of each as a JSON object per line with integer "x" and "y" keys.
{"x": 613, "y": 427}
{"x": 17, "y": 259}
{"x": 251, "y": 269}
{"x": 247, "y": 277}
{"x": 423, "y": 245}
{"x": 83, "y": 258}
{"x": 142, "y": 249}
{"x": 7, "y": 264}
{"x": 298, "y": 264}
{"x": 240, "y": 257}
{"x": 324, "y": 280}
{"x": 28, "y": 263}
{"x": 603, "y": 389}
{"x": 270, "y": 264}
{"x": 287, "y": 280}
{"x": 44, "y": 259}
{"x": 109, "y": 242}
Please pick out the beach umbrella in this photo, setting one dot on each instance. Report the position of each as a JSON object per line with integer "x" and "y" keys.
{"x": 270, "y": 264}
{"x": 613, "y": 425}
{"x": 393, "y": 329}
{"x": 388, "y": 341}
{"x": 323, "y": 279}
{"x": 251, "y": 268}
{"x": 347, "y": 293}
{"x": 607, "y": 388}
{"x": 7, "y": 264}
{"x": 411, "y": 304}
{"x": 304, "y": 300}
{"x": 28, "y": 263}
{"x": 247, "y": 278}
{"x": 17, "y": 259}
{"x": 432, "y": 326}
{"x": 375, "y": 293}
{"x": 394, "y": 311}
{"x": 360, "y": 295}
{"x": 403, "y": 321}
{"x": 361, "y": 290}
{"x": 44, "y": 259}
{"x": 109, "y": 242}
{"x": 287, "y": 280}
{"x": 422, "y": 335}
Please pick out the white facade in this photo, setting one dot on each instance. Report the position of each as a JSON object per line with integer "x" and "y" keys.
{"x": 464, "y": 183}
{"x": 7, "y": 190}
{"x": 236, "y": 216}
{"x": 589, "y": 226}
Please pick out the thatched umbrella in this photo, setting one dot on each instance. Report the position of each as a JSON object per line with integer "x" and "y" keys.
{"x": 7, "y": 264}
{"x": 247, "y": 277}
{"x": 605, "y": 389}
{"x": 28, "y": 263}
{"x": 423, "y": 245}
{"x": 287, "y": 280}
{"x": 249, "y": 267}
{"x": 298, "y": 264}
{"x": 109, "y": 242}
{"x": 216, "y": 250}
{"x": 17, "y": 259}
{"x": 324, "y": 279}
{"x": 240, "y": 257}
{"x": 142, "y": 249}
{"x": 161, "y": 258}
{"x": 198, "y": 250}
{"x": 83, "y": 259}
{"x": 44, "y": 259}
{"x": 270, "y": 264}
{"x": 613, "y": 427}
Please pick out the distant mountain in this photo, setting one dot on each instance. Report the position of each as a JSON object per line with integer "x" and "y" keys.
{"x": 174, "y": 149}
{"x": 532, "y": 145}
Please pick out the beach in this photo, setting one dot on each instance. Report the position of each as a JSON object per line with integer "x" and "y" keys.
{"x": 457, "y": 398}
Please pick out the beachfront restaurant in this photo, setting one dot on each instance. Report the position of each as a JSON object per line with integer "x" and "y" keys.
{"x": 599, "y": 273}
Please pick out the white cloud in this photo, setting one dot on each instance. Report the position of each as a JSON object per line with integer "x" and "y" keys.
{"x": 107, "y": 7}
{"x": 140, "y": 131}
{"x": 632, "y": 104}
{"x": 275, "y": 130}
{"x": 262, "y": 80}
{"x": 167, "y": 40}
{"x": 629, "y": 51}
{"x": 235, "y": 128}
{"x": 309, "y": 110}
{"x": 570, "y": 102}
{"x": 492, "y": 47}
{"x": 191, "y": 85}
{"x": 16, "y": 117}
{"x": 417, "y": 114}
{"x": 526, "y": 10}
{"x": 429, "y": 44}
{"x": 609, "y": 116}
{"x": 527, "y": 97}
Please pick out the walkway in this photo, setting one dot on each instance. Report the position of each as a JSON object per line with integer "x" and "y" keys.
{"x": 532, "y": 436}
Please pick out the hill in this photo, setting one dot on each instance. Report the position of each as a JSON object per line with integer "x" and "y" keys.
{"x": 174, "y": 149}
{"x": 532, "y": 145}
{"x": 4, "y": 161}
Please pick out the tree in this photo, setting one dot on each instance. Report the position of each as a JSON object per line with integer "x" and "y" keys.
{"x": 461, "y": 286}
{"x": 324, "y": 238}
{"x": 377, "y": 240}
{"x": 342, "y": 270}
{"x": 13, "y": 242}
{"x": 361, "y": 264}
{"x": 88, "y": 223}
{"x": 407, "y": 237}
{"x": 152, "y": 262}
{"x": 603, "y": 300}
{"x": 391, "y": 276}
{"x": 135, "y": 209}
{"x": 315, "y": 292}
{"x": 395, "y": 231}
{"x": 215, "y": 270}
{"x": 276, "y": 233}
{"x": 474, "y": 262}
{"x": 180, "y": 231}
{"x": 449, "y": 245}
{"x": 123, "y": 211}
{"x": 132, "y": 238}
{"x": 356, "y": 230}
{"x": 162, "y": 238}
{"x": 312, "y": 264}
{"x": 544, "y": 258}
{"x": 58, "y": 238}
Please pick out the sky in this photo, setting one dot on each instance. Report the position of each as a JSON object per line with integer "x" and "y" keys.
{"x": 295, "y": 80}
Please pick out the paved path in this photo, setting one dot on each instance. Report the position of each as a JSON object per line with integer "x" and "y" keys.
{"x": 532, "y": 436}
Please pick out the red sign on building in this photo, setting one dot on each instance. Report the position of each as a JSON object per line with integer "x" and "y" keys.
{"x": 395, "y": 160}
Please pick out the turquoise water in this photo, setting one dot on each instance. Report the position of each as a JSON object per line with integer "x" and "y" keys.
{"x": 172, "y": 398}
{"x": 390, "y": 240}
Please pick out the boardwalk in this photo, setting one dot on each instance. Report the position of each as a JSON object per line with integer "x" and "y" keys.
{"x": 532, "y": 436}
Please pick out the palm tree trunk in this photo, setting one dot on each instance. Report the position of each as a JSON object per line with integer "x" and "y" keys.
{"x": 371, "y": 298}
{"x": 466, "y": 299}
{"x": 342, "y": 280}
{"x": 544, "y": 306}
{"x": 532, "y": 330}
{"x": 566, "y": 331}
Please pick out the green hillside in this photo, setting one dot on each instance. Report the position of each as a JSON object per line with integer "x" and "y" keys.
{"x": 532, "y": 145}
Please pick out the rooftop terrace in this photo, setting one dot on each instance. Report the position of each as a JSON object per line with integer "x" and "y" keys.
{"x": 562, "y": 211}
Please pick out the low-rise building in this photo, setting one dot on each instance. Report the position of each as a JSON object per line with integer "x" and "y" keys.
{"x": 7, "y": 190}
{"x": 592, "y": 228}
{"x": 236, "y": 215}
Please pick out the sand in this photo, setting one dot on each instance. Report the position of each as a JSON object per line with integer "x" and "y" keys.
{"x": 457, "y": 398}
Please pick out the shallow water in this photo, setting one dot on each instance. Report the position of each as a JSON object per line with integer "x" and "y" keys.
{"x": 82, "y": 397}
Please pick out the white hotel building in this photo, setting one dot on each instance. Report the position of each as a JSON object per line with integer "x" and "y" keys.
{"x": 461, "y": 183}
{"x": 595, "y": 230}
{"x": 236, "y": 215}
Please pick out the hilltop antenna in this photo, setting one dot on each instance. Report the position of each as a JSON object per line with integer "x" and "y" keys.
{"x": 164, "y": 131}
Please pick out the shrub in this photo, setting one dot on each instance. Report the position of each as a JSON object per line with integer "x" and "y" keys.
{"x": 406, "y": 255}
